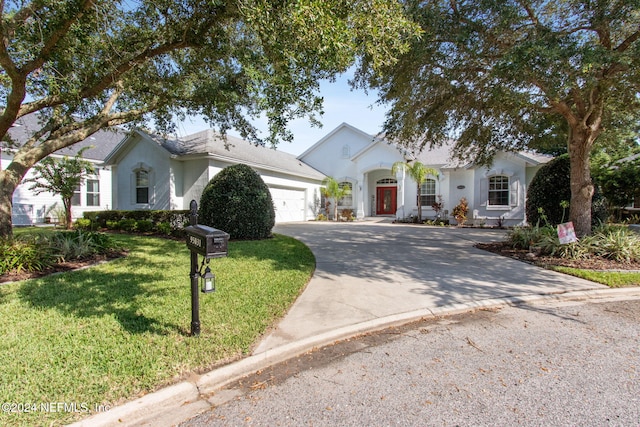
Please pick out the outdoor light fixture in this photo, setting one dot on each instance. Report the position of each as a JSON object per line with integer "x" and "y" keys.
{"x": 209, "y": 243}
{"x": 208, "y": 281}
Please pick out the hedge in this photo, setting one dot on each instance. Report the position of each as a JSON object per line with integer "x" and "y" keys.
{"x": 166, "y": 222}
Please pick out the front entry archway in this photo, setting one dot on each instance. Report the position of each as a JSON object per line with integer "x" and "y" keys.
{"x": 386, "y": 200}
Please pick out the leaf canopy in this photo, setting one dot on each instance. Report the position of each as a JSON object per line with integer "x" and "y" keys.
{"x": 509, "y": 75}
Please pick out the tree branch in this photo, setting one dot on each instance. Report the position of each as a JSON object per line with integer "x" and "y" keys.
{"x": 54, "y": 38}
{"x": 628, "y": 41}
{"x": 107, "y": 80}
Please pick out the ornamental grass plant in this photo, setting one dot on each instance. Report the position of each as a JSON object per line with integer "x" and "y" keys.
{"x": 613, "y": 242}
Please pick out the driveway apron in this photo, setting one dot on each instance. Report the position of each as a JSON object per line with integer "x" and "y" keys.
{"x": 369, "y": 270}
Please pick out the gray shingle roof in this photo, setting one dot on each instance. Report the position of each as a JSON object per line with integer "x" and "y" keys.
{"x": 101, "y": 142}
{"x": 211, "y": 144}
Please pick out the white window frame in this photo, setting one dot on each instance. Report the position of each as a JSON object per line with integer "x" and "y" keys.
{"x": 94, "y": 196}
{"x": 504, "y": 189}
{"x": 76, "y": 199}
{"x": 138, "y": 186}
{"x": 347, "y": 201}
{"x": 425, "y": 193}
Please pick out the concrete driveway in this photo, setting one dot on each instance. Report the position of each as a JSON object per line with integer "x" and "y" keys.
{"x": 375, "y": 270}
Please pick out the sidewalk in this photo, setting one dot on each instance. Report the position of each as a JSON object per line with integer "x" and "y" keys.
{"x": 369, "y": 275}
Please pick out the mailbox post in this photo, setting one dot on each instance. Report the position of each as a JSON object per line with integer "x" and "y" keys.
{"x": 208, "y": 242}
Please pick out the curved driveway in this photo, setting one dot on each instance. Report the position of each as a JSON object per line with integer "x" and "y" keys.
{"x": 372, "y": 270}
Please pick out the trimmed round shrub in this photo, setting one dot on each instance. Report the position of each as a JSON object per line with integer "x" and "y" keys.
{"x": 550, "y": 187}
{"x": 238, "y": 202}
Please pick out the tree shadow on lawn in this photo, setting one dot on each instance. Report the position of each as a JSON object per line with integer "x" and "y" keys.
{"x": 284, "y": 252}
{"x": 89, "y": 293}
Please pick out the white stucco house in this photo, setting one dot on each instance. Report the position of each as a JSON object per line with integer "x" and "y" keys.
{"x": 363, "y": 162}
{"x": 153, "y": 172}
{"x": 140, "y": 170}
{"x": 94, "y": 194}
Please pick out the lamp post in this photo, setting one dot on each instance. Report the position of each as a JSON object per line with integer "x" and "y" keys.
{"x": 195, "y": 300}
{"x": 210, "y": 243}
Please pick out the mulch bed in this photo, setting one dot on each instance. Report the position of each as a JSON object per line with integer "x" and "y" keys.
{"x": 594, "y": 263}
{"x": 14, "y": 276}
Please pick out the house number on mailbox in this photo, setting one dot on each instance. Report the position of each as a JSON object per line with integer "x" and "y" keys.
{"x": 195, "y": 241}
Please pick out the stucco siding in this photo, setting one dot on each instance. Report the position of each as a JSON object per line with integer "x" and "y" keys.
{"x": 29, "y": 209}
{"x": 145, "y": 155}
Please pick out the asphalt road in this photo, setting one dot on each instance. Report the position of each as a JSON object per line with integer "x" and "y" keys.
{"x": 551, "y": 364}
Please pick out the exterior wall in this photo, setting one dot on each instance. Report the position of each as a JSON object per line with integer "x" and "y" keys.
{"x": 29, "y": 209}
{"x": 334, "y": 156}
{"x": 176, "y": 182}
{"x": 195, "y": 177}
{"x": 511, "y": 214}
{"x": 145, "y": 155}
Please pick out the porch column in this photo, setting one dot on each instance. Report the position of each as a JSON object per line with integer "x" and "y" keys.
{"x": 400, "y": 177}
{"x": 362, "y": 192}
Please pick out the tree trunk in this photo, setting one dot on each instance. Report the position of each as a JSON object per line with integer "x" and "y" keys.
{"x": 8, "y": 183}
{"x": 419, "y": 204}
{"x": 582, "y": 189}
{"x": 68, "y": 219}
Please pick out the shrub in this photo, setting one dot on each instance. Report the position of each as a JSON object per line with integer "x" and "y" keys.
{"x": 109, "y": 219}
{"x": 83, "y": 224}
{"x": 617, "y": 243}
{"x": 113, "y": 225}
{"x": 613, "y": 242}
{"x": 550, "y": 191}
{"x": 128, "y": 224}
{"x": 460, "y": 211}
{"x": 527, "y": 237}
{"x": 346, "y": 215}
{"x": 25, "y": 253}
{"x": 144, "y": 225}
{"x": 238, "y": 202}
{"x": 164, "y": 228}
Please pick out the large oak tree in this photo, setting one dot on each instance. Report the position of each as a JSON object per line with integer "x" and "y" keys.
{"x": 83, "y": 65}
{"x": 509, "y": 74}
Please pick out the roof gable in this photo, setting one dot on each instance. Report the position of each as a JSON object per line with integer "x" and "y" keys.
{"x": 331, "y": 134}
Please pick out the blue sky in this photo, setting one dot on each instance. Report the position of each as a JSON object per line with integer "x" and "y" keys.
{"x": 341, "y": 104}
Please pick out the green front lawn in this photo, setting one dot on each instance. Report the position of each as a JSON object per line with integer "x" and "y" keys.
{"x": 613, "y": 279}
{"x": 119, "y": 330}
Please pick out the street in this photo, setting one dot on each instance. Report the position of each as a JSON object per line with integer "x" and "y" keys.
{"x": 560, "y": 364}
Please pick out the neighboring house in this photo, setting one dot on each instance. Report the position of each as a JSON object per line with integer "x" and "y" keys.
{"x": 152, "y": 172}
{"x": 634, "y": 207}
{"x": 94, "y": 193}
{"x": 363, "y": 163}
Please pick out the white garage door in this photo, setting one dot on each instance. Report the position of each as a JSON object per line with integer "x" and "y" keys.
{"x": 289, "y": 204}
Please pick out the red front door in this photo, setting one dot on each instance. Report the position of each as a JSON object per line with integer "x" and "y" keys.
{"x": 386, "y": 200}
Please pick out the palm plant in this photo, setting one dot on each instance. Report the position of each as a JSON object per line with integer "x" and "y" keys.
{"x": 419, "y": 173}
{"x": 331, "y": 189}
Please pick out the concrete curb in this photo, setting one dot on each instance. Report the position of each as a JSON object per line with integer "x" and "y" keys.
{"x": 179, "y": 402}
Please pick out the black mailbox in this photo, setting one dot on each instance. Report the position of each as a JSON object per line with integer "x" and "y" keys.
{"x": 207, "y": 241}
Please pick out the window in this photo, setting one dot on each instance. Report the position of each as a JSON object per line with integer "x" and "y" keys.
{"x": 499, "y": 190}
{"x": 76, "y": 199}
{"x": 93, "y": 192}
{"x": 428, "y": 192}
{"x": 346, "y": 151}
{"x": 346, "y": 201}
{"x": 142, "y": 186}
{"x": 387, "y": 181}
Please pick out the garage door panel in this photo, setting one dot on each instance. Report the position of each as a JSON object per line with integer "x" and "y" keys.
{"x": 288, "y": 203}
